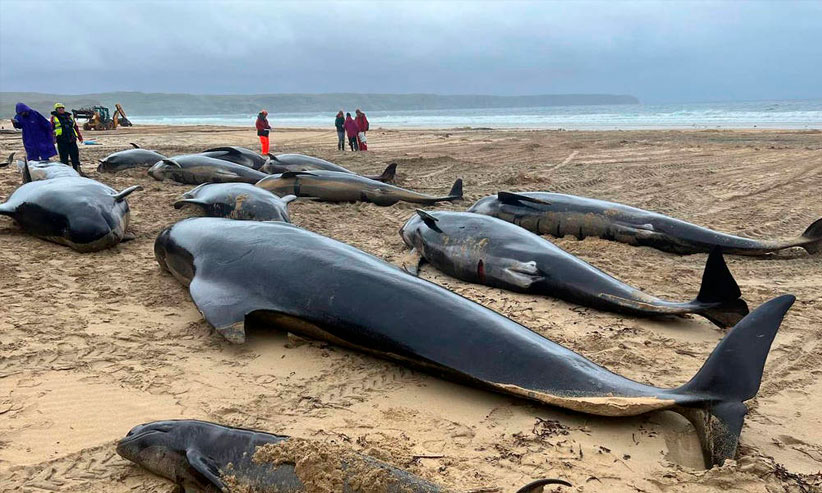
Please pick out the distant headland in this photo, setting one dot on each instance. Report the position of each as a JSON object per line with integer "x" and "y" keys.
{"x": 138, "y": 103}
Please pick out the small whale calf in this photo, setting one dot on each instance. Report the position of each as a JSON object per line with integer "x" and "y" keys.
{"x": 202, "y": 456}
{"x": 300, "y": 162}
{"x": 195, "y": 169}
{"x": 490, "y": 251}
{"x": 237, "y": 201}
{"x": 277, "y": 275}
{"x": 558, "y": 215}
{"x": 130, "y": 158}
{"x": 333, "y": 186}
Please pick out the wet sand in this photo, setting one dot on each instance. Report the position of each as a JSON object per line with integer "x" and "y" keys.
{"x": 92, "y": 344}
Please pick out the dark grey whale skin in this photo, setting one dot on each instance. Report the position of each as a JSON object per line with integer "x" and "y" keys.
{"x": 196, "y": 455}
{"x": 300, "y": 162}
{"x": 128, "y": 159}
{"x": 81, "y": 213}
{"x": 278, "y": 275}
{"x": 486, "y": 250}
{"x": 237, "y": 155}
{"x": 559, "y": 215}
{"x": 195, "y": 169}
{"x": 332, "y": 186}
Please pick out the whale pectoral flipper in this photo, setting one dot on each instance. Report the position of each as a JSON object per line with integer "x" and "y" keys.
{"x": 429, "y": 220}
{"x": 223, "y": 309}
{"x": 537, "y": 486}
{"x": 206, "y": 467}
{"x": 134, "y": 145}
{"x": 8, "y": 161}
{"x": 292, "y": 174}
{"x": 122, "y": 195}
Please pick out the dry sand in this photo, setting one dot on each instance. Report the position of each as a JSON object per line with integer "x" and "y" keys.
{"x": 92, "y": 344}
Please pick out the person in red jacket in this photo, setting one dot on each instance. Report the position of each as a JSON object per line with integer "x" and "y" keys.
{"x": 351, "y": 129}
{"x": 263, "y": 128}
{"x": 362, "y": 124}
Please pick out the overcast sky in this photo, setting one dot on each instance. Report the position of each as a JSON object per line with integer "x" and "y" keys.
{"x": 659, "y": 52}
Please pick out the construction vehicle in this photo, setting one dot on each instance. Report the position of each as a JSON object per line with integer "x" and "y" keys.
{"x": 99, "y": 118}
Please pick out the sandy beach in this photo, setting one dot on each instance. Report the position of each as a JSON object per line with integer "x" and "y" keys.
{"x": 93, "y": 344}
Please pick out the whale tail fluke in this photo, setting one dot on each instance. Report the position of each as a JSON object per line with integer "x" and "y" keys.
{"x": 813, "y": 237}
{"x": 713, "y": 398}
{"x": 720, "y": 292}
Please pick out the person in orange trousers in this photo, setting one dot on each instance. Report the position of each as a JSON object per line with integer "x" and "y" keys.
{"x": 263, "y": 128}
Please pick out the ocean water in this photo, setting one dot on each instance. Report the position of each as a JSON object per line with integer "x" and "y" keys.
{"x": 804, "y": 114}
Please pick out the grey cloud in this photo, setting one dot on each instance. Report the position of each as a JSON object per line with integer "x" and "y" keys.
{"x": 685, "y": 51}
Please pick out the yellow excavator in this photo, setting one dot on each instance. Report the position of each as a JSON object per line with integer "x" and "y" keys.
{"x": 98, "y": 117}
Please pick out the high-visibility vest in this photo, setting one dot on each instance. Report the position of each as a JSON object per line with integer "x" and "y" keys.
{"x": 58, "y": 126}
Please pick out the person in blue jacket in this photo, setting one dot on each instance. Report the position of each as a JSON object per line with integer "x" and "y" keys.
{"x": 38, "y": 138}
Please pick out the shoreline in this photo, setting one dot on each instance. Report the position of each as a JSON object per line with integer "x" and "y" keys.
{"x": 93, "y": 344}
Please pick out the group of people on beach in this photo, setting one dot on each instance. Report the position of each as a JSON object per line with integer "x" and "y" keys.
{"x": 354, "y": 128}
{"x": 40, "y": 135}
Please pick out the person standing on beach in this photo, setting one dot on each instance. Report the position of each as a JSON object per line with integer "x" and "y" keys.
{"x": 66, "y": 135}
{"x": 362, "y": 124}
{"x": 352, "y": 130}
{"x": 263, "y": 128}
{"x": 37, "y": 133}
{"x": 340, "y": 124}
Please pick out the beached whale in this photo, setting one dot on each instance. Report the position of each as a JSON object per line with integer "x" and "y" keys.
{"x": 300, "y": 162}
{"x": 332, "y": 186}
{"x": 490, "y": 251}
{"x": 237, "y": 155}
{"x": 78, "y": 212}
{"x": 194, "y": 169}
{"x": 276, "y": 274}
{"x": 558, "y": 215}
{"x": 129, "y": 158}
{"x": 203, "y": 456}
{"x": 41, "y": 170}
{"x": 237, "y": 201}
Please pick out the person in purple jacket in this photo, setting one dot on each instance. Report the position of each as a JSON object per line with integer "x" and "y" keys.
{"x": 38, "y": 138}
{"x": 351, "y": 129}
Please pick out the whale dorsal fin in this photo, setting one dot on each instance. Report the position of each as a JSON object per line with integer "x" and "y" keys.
{"x": 429, "y": 220}
{"x": 26, "y": 173}
{"x": 172, "y": 162}
{"x": 513, "y": 198}
{"x": 288, "y": 198}
{"x": 206, "y": 467}
{"x": 134, "y": 145}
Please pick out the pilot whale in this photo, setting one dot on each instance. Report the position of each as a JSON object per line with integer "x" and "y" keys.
{"x": 278, "y": 275}
{"x": 487, "y": 250}
{"x": 558, "y": 215}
